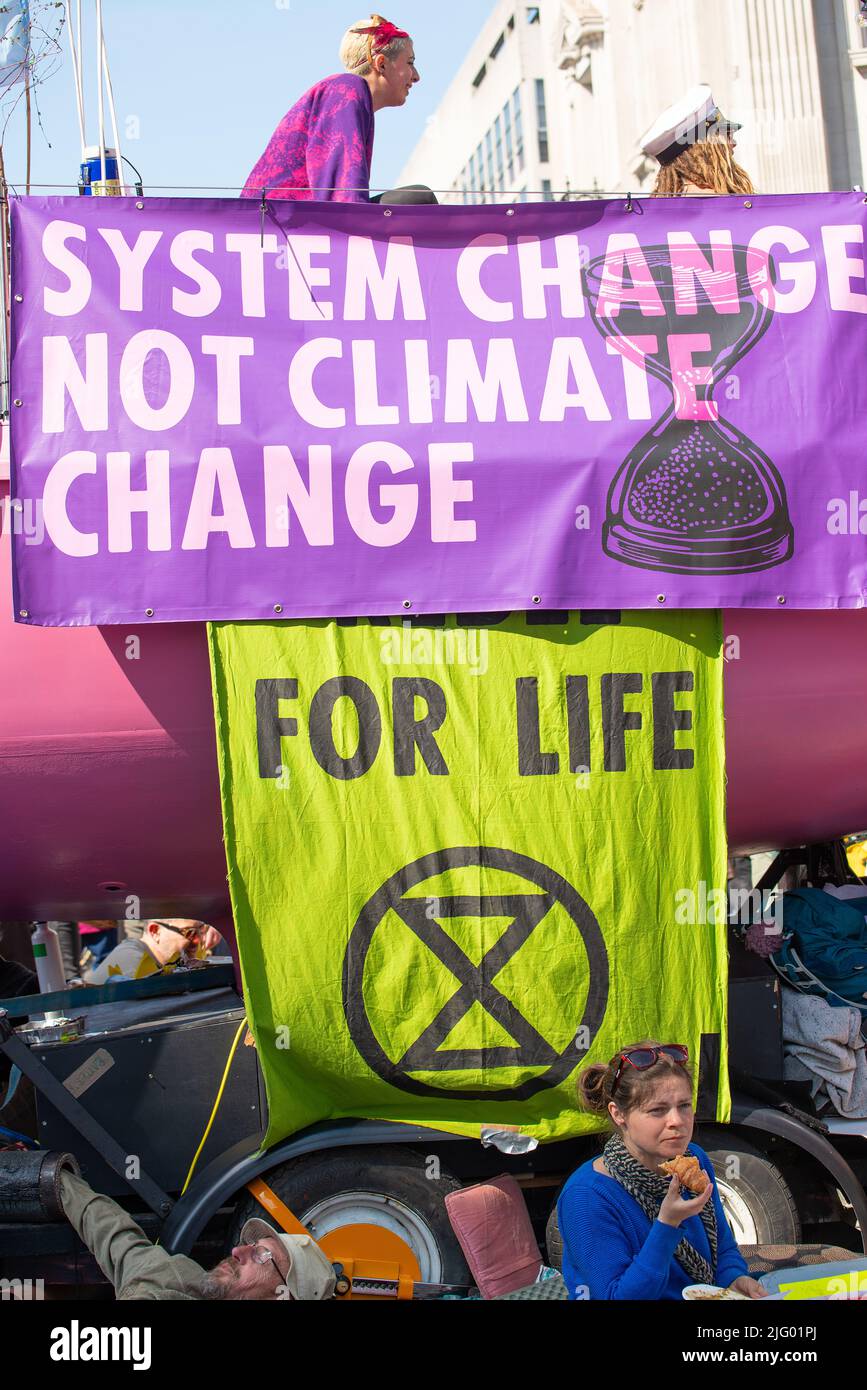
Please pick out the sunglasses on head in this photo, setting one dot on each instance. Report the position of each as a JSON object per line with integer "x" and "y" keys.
{"x": 643, "y": 1057}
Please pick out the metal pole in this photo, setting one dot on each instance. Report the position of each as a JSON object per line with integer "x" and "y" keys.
{"x": 76, "y": 75}
{"x": 111, "y": 108}
{"x": 101, "y": 103}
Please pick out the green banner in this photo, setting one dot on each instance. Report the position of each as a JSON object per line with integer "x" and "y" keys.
{"x": 458, "y": 858}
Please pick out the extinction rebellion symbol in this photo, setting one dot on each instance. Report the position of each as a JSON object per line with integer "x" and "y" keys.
{"x": 476, "y": 981}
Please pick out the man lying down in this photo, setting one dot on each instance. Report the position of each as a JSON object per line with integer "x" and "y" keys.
{"x": 267, "y": 1266}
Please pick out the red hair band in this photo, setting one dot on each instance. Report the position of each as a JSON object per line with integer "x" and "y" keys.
{"x": 383, "y": 34}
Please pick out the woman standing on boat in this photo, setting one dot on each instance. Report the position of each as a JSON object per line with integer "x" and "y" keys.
{"x": 323, "y": 147}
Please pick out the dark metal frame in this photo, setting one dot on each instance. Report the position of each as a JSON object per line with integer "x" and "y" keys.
{"x": 21, "y": 1056}
{"x": 74, "y": 1113}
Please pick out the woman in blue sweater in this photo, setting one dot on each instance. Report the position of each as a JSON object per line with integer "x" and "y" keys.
{"x": 629, "y": 1231}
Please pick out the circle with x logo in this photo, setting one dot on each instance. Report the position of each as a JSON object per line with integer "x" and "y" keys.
{"x": 476, "y": 980}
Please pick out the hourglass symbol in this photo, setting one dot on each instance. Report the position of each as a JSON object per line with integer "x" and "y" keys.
{"x": 694, "y": 494}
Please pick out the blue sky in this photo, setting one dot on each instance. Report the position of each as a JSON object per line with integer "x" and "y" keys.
{"x": 208, "y": 80}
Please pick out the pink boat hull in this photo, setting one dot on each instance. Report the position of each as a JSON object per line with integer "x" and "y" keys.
{"x": 108, "y": 764}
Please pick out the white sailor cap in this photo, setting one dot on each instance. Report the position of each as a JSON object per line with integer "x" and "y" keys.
{"x": 695, "y": 117}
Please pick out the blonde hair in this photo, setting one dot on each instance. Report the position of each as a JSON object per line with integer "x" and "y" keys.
{"x": 709, "y": 164}
{"x": 357, "y": 51}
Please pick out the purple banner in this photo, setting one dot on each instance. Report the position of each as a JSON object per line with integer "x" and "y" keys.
{"x": 229, "y": 412}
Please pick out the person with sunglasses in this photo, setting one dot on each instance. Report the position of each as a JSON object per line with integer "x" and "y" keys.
{"x": 161, "y": 944}
{"x": 629, "y": 1231}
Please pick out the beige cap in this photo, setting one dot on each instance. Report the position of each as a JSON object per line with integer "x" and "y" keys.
{"x": 310, "y": 1276}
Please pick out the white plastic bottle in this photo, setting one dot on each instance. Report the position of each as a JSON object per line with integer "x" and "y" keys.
{"x": 49, "y": 963}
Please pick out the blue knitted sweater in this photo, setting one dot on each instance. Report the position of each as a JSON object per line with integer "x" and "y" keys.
{"x": 612, "y": 1250}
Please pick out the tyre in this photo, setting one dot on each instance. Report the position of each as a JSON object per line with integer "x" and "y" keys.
{"x": 387, "y": 1188}
{"x": 554, "y": 1240}
{"x": 756, "y": 1198}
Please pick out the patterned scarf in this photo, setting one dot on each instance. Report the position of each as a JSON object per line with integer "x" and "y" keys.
{"x": 649, "y": 1189}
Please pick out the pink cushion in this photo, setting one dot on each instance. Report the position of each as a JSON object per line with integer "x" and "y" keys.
{"x": 493, "y": 1226}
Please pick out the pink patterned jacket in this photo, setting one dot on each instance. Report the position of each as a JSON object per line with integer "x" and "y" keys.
{"x": 322, "y": 148}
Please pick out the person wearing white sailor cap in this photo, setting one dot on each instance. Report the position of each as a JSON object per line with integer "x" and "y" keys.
{"x": 694, "y": 144}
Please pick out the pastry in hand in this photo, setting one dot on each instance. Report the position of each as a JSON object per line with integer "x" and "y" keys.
{"x": 688, "y": 1172}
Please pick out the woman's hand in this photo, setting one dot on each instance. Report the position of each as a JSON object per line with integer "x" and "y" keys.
{"x": 676, "y": 1209}
{"x": 751, "y": 1287}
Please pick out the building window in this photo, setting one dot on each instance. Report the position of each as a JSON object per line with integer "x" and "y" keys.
{"x": 510, "y": 149}
{"x": 480, "y": 76}
{"x": 489, "y": 152}
{"x": 497, "y": 46}
{"x": 498, "y": 143}
{"x": 542, "y": 120}
{"x": 511, "y": 24}
{"x": 532, "y": 14}
{"x": 547, "y": 195}
{"x": 519, "y": 128}
{"x": 480, "y": 166}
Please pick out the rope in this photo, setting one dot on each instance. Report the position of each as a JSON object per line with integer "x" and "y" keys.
{"x": 564, "y": 194}
{"x": 241, "y": 1027}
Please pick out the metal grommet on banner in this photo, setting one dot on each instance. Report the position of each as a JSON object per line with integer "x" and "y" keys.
{"x": 149, "y": 612}
{"x": 536, "y": 598}
{"x": 748, "y": 204}
{"x": 263, "y": 208}
{"x": 407, "y": 603}
{"x": 139, "y": 206}
{"x": 781, "y": 598}
{"x": 660, "y": 598}
{"x": 23, "y": 613}
{"x": 18, "y": 402}
{"x": 278, "y": 608}
{"x": 510, "y": 212}
{"x": 19, "y": 299}
{"x": 386, "y": 212}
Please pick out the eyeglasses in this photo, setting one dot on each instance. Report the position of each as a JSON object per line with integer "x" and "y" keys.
{"x": 188, "y": 933}
{"x": 261, "y": 1255}
{"x": 643, "y": 1057}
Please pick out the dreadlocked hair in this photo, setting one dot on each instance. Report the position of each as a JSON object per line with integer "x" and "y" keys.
{"x": 357, "y": 49}
{"x": 709, "y": 164}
